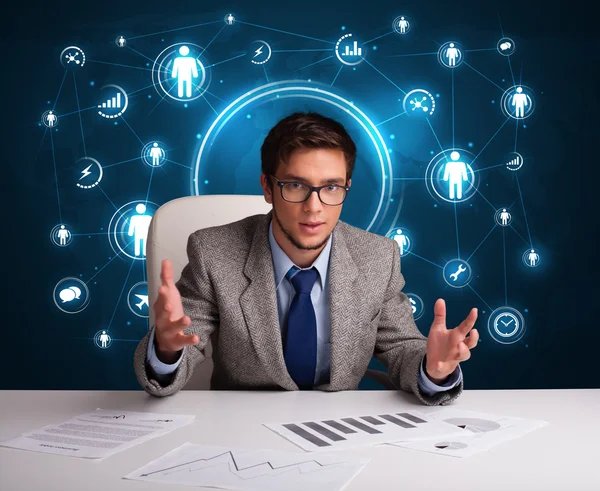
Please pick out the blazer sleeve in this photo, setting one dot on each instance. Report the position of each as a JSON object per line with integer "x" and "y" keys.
{"x": 200, "y": 304}
{"x": 400, "y": 346}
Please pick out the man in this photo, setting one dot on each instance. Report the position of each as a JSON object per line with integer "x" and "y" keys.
{"x": 297, "y": 299}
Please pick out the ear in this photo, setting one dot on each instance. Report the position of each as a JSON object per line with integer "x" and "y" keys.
{"x": 264, "y": 183}
{"x": 349, "y": 182}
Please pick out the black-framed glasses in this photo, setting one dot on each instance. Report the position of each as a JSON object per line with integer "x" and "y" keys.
{"x": 297, "y": 192}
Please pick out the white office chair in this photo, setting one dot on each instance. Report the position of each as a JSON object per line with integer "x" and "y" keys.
{"x": 168, "y": 234}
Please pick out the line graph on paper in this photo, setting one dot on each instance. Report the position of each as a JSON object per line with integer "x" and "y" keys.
{"x": 244, "y": 469}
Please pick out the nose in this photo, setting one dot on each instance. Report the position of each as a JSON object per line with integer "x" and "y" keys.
{"x": 313, "y": 203}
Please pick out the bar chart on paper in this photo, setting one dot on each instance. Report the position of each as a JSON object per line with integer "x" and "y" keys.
{"x": 354, "y": 431}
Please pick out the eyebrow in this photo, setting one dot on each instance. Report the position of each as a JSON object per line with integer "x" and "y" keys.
{"x": 326, "y": 181}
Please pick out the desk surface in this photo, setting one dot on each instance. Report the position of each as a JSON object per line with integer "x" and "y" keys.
{"x": 561, "y": 456}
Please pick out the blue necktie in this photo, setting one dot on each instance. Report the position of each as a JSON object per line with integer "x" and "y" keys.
{"x": 301, "y": 339}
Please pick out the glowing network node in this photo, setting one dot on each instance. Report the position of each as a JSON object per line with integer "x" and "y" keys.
{"x": 450, "y": 176}
{"x": 128, "y": 229}
{"x": 61, "y": 235}
{"x": 137, "y": 299}
{"x": 401, "y": 25}
{"x": 50, "y": 119}
{"x": 518, "y": 102}
{"x": 89, "y": 173}
{"x": 457, "y": 273}
{"x": 120, "y": 41}
{"x": 418, "y": 102}
{"x": 113, "y": 101}
{"x": 506, "y": 46}
{"x": 417, "y": 305}
{"x": 72, "y": 58}
{"x": 451, "y": 54}
{"x": 402, "y": 237}
{"x": 154, "y": 154}
{"x": 506, "y": 325}
{"x": 71, "y": 295}
{"x": 513, "y": 161}
{"x": 179, "y": 73}
{"x": 348, "y": 51}
{"x": 102, "y": 339}
{"x": 229, "y": 19}
{"x": 503, "y": 217}
{"x": 260, "y": 52}
{"x": 531, "y": 258}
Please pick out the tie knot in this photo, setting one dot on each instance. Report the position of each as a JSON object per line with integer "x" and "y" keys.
{"x": 304, "y": 279}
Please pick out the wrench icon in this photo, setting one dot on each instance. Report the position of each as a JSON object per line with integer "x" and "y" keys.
{"x": 460, "y": 269}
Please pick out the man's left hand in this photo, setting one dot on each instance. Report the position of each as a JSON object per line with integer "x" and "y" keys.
{"x": 446, "y": 348}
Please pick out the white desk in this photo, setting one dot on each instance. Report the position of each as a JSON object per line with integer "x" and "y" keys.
{"x": 562, "y": 456}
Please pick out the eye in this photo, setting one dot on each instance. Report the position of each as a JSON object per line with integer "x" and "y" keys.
{"x": 333, "y": 187}
{"x": 295, "y": 185}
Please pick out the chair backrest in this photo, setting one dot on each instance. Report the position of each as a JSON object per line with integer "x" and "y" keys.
{"x": 168, "y": 234}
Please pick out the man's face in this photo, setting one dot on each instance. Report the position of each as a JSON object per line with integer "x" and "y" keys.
{"x": 314, "y": 167}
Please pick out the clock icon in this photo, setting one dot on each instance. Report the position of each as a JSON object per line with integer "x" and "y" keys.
{"x": 506, "y": 325}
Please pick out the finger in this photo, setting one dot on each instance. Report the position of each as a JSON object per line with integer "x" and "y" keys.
{"x": 466, "y": 325}
{"x": 463, "y": 352}
{"x": 175, "y": 326}
{"x": 188, "y": 339}
{"x": 439, "y": 314}
{"x": 166, "y": 273}
{"x": 472, "y": 340}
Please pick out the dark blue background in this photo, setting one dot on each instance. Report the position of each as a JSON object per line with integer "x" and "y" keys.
{"x": 558, "y": 53}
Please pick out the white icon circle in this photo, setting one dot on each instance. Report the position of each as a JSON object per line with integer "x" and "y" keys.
{"x": 128, "y": 229}
{"x": 531, "y": 258}
{"x": 71, "y": 295}
{"x": 120, "y": 41}
{"x": 61, "y": 235}
{"x": 90, "y": 173}
{"x": 348, "y": 51}
{"x": 506, "y": 46}
{"x": 418, "y": 102}
{"x": 402, "y": 238}
{"x": 417, "y": 305}
{"x": 50, "y": 119}
{"x": 450, "y": 176}
{"x": 451, "y": 54}
{"x": 518, "y": 102}
{"x": 154, "y": 154}
{"x": 137, "y": 299}
{"x": 72, "y": 58}
{"x": 229, "y": 19}
{"x": 514, "y": 161}
{"x": 113, "y": 103}
{"x": 506, "y": 325}
{"x": 503, "y": 217}
{"x": 457, "y": 273}
{"x": 260, "y": 52}
{"x": 102, "y": 339}
{"x": 401, "y": 24}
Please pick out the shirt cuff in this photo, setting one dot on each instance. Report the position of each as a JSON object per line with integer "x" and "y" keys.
{"x": 158, "y": 366}
{"x": 430, "y": 388}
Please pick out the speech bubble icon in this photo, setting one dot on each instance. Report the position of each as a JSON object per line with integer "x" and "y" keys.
{"x": 67, "y": 295}
{"x": 76, "y": 290}
{"x": 504, "y": 46}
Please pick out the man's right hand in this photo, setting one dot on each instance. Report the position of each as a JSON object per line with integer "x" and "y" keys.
{"x": 169, "y": 337}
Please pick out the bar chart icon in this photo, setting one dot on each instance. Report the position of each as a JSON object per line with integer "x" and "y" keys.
{"x": 355, "y": 51}
{"x": 514, "y": 161}
{"x": 113, "y": 103}
{"x": 349, "y": 51}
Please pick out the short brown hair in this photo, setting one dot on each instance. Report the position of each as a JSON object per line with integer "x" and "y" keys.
{"x": 305, "y": 130}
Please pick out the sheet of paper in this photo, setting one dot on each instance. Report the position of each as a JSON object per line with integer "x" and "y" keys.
{"x": 360, "y": 430}
{"x": 483, "y": 431}
{"x": 245, "y": 469}
{"x": 99, "y": 433}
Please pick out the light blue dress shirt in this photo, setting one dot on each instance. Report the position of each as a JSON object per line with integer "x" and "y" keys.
{"x": 320, "y": 300}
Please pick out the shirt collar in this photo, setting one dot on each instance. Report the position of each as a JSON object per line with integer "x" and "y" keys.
{"x": 282, "y": 263}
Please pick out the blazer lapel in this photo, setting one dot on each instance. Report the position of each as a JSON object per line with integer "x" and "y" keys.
{"x": 259, "y": 306}
{"x": 343, "y": 309}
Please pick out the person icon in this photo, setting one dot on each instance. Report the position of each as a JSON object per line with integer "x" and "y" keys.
{"x": 533, "y": 258}
{"x": 51, "y": 119}
{"x": 121, "y": 41}
{"x": 156, "y": 153}
{"x": 402, "y": 241}
{"x": 184, "y": 69}
{"x": 103, "y": 339}
{"x": 402, "y": 24}
{"x": 453, "y": 54}
{"x": 504, "y": 217}
{"x": 455, "y": 172}
{"x": 138, "y": 228}
{"x": 63, "y": 235}
{"x": 230, "y": 19}
{"x": 519, "y": 100}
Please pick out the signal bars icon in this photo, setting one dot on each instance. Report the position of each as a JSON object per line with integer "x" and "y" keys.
{"x": 515, "y": 161}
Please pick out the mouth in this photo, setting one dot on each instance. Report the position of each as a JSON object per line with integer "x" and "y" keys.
{"x": 312, "y": 227}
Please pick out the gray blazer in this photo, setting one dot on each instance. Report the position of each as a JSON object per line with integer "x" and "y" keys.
{"x": 228, "y": 290}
